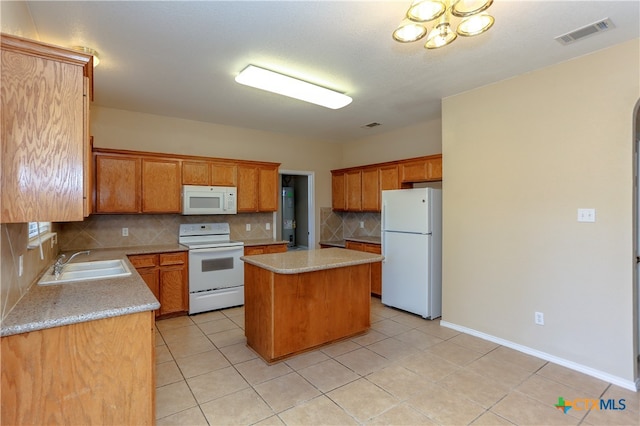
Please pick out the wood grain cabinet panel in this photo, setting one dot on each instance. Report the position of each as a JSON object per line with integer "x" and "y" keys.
{"x": 196, "y": 173}
{"x": 161, "y": 185}
{"x": 118, "y": 184}
{"x": 167, "y": 276}
{"x": 376, "y": 268}
{"x": 94, "y": 372}
{"x": 353, "y": 190}
{"x": 224, "y": 174}
{"x": 370, "y": 190}
{"x": 389, "y": 178}
{"x": 265, "y": 249}
{"x": 44, "y": 128}
{"x": 427, "y": 169}
{"x": 337, "y": 191}
{"x": 257, "y": 188}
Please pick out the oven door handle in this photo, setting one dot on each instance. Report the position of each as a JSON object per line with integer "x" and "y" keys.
{"x": 216, "y": 249}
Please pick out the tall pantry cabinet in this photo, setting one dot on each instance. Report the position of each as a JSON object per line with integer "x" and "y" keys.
{"x": 45, "y": 105}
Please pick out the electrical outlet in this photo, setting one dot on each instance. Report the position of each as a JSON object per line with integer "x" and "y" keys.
{"x": 248, "y": 227}
{"x": 586, "y": 215}
{"x": 125, "y": 232}
{"x": 20, "y": 265}
{"x": 361, "y": 224}
{"x": 539, "y": 318}
{"x": 268, "y": 226}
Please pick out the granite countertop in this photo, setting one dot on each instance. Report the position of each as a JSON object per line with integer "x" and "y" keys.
{"x": 57, "y": 305}
{"x": 263, "y": 242}
{"x": 296, "y": 262}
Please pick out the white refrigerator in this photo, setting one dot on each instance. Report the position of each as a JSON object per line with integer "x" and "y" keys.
{"x": 412, "y": 250}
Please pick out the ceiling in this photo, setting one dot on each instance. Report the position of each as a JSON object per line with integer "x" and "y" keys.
{"x": 180, "y": 58}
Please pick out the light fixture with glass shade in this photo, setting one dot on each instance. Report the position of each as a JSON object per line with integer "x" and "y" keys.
{"x": 468, "y": 17}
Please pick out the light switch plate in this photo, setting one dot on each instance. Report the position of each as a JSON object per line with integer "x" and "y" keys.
{"x": 247, "y": 227}
{"x": 268, "y": 226}
{"x": 586, "y": 215}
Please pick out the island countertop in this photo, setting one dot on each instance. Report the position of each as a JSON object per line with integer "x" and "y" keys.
{"x": 300, "y": 261}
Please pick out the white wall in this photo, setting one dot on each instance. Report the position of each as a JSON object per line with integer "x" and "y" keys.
{"x": 520, "y": 157}
{"x": 120, "y": 129}
{"x": 412, "y": 141}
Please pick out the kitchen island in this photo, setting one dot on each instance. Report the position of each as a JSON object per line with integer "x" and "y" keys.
{"x": 299, "y": 300}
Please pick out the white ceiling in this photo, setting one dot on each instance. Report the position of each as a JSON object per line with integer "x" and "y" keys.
{"x": 180, "y": 58}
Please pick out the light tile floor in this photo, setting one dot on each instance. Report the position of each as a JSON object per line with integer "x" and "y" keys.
{"x": 404, "y": 371}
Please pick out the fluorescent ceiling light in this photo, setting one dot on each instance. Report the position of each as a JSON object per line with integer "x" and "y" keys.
{"x": 261, "y": 78}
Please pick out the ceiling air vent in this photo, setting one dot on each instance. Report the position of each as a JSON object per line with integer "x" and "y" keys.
{"x": 370, "y": 125}
{"x": 580, "y": 33}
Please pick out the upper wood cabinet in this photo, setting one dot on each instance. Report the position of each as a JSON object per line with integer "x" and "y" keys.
{"x": 337, "y": 191}
{"x": 421, "y": 170}
{"x": 371, "y": 189}
{"x": 209, "y": 173}
{"x": 161, "y": 186}
{"x": 257, "y": 188}
{"x": 353, "y": 190}
{"x": 360, "y": 188}
{"x": 145, "y": 182}
{"x": 45, "y": 102}
{"x": 118, "y": 184}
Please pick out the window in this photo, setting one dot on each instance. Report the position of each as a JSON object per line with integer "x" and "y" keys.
{"x": 43, "y": 228}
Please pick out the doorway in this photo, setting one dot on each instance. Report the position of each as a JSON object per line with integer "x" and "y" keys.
{"x": 295, "y": 218}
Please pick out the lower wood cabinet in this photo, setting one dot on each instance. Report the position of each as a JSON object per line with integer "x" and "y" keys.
{"x": 94, "y": 372}
{"x": 167, "y": 276}
{"x": 376, "y": 268}
{"x": 265, "y": 249}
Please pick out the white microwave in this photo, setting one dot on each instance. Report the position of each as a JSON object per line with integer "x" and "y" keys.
{"x": 198, "y": 199}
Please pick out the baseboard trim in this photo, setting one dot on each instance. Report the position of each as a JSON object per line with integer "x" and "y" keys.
{"x": 618, "y": 381}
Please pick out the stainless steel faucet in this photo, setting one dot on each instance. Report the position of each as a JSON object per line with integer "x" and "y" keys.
{"x": 59, "y": 265}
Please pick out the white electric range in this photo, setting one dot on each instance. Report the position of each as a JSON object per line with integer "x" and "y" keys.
{"x": 216, "y": 273}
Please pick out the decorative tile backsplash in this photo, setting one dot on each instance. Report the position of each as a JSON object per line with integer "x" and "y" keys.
{"x": 335, "y": 226}
{"x": 105, "y": 231}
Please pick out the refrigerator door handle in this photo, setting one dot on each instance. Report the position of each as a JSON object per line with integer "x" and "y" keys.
{"x": 382, "y": 222}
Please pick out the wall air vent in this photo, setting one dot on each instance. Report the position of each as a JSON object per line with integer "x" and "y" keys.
{"x": 370, "y": 125}
{"x": 589, "y": 30}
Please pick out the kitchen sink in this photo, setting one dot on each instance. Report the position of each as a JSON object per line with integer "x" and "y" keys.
{"x": 85, "y": 271}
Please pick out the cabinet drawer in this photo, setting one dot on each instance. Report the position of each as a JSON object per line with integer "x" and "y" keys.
{"x": 353, "y": 245}
{"x": 144, "y": 260}
{"x": 373, "y": 248}
{"x": 178, "y": 258}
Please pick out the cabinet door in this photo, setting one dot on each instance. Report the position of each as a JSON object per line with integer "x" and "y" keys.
{"x": 267, "y": 189}
{"x": 337, "y": 191}
{"x": 42, "y": 139}
{"x": 247, "y": 188}
{"x": 376, "y": 269}
{"x": 223, "y": 174}
{"x": 428, "y": 169}
{"x": 173, "y": 290}
{"x": 195, "y": 173}
{"x": 87, "y": 154}
{"x": 370, "y": 190}
{"x": 161, "y": 182}
{"x": 353, "y": 190}
{"x": 434, "y": 168}
{"x": 389, "y": 178}
{"x": 117, "y": 184}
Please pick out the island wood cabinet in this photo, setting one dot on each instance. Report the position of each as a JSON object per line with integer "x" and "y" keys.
{"x": 376, "y": 268}
{"x": 265, "y": 249}
{"x": 94, "y": 372}
{"x": 46, "y": 91}
{"x": 209, "y": 173}
{"x": 257, "y": 188}
{"x": 166, "y": 275}
{"x": 359, "y": 188}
